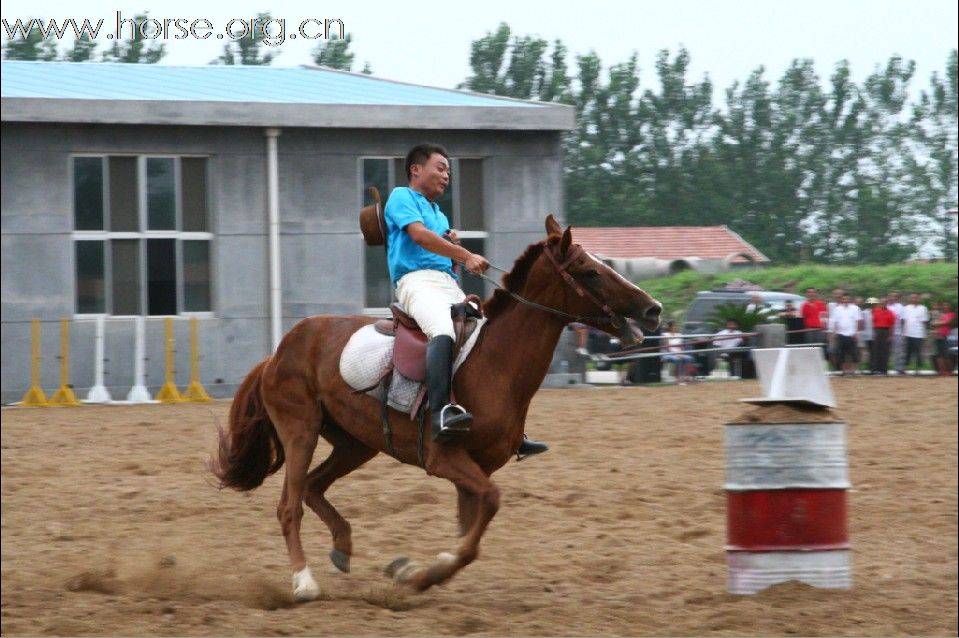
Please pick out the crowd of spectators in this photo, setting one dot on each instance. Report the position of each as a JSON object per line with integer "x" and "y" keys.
{"x": 868, "y": 336}
{"x": 859, "y": 335}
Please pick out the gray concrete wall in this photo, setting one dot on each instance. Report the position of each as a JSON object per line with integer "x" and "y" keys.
{"x": 322, "y": 258}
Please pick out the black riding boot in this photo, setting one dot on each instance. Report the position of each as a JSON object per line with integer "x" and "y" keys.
{"x": 529, "y": 447}
{"x": 448, "y": 419}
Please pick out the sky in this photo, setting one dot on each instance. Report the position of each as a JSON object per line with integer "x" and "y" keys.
{"x": 429, "y": 43}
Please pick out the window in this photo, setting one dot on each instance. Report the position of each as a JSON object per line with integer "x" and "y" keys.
{"x": 141, "y": 235}
{"x": 462, "y": 203}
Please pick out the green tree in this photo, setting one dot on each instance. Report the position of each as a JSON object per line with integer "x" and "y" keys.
{"x": 746, "y": 319}
{"x": 932, "y": 171}
{"x": 518, "y": 66}
{"x": 84, "y": 50}
{"x": 885, "y": 219}
{"x": 675, "y": 125}
{"x": 602, "y": 186}
{"x": 248, "y": 50}
{"x": 767, "y": 148}
{"x": 487, "y": 58}
{"x": 33, "y": 47}
{"x": 796, "y": 153}
{"x": 555, "y": 83}
{"x": 335, "y": 53}
{"x": 836, "y": 174}
{"x": 742, "y": 145}
{"x": 137, "y": 49}
{"x": 834, "y": 182}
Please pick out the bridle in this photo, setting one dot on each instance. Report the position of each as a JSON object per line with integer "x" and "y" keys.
{"x": 575, "y": 252}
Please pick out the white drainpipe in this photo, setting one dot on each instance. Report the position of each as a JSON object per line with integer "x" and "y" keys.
{"x": 273, "y": 207}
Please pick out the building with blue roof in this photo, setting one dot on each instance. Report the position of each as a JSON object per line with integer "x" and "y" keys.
{"x": 231, "y": 194}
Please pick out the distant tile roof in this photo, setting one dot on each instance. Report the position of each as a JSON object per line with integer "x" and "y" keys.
{"x": 246, "y": 94}
{"x": 666, "y": 242}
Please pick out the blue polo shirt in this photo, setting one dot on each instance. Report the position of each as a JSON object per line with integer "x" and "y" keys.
{"x": 404, "y": 255}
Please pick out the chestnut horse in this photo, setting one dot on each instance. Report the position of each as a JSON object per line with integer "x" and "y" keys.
{"x": 297, "y": 395}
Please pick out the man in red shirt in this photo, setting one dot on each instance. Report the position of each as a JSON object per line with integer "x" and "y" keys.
{"x": 812, "y": 311}
{"x": 883, "y": 321}
{"x": 944, "y": 325}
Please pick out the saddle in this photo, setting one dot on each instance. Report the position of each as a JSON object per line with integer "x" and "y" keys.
{"x": 409, "y": 346}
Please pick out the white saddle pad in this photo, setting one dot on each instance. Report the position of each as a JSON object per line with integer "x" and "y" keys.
{"x": 368, "y": 353}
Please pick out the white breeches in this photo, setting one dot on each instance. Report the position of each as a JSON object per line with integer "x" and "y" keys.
{"x": 426, "y": 295}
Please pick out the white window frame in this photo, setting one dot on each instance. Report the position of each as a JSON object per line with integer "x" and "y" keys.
{"x": 106, "y": 235}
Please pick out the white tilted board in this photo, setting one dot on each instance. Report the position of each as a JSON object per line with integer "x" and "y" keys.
{"x": 792, "y": 375}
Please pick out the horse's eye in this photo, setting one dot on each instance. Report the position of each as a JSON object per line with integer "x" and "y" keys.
{"x": 592, "y": 274}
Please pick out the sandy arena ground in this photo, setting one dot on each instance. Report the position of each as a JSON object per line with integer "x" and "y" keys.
{"x": 111, "y": 526}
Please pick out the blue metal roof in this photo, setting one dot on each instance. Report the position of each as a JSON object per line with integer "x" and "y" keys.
{"x": 257, "y": 84}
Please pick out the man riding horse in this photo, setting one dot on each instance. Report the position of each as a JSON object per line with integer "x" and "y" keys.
{"x": 421, "y": 250}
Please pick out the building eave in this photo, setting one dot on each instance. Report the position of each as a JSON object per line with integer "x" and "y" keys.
{"x": 199, "y": 113}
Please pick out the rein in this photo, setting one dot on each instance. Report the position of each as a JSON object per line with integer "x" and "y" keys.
{"x": 575, "y": 252}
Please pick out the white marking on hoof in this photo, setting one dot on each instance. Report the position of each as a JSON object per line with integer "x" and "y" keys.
{"x": 447, "y": 558}
{"x": 304, "y": 586}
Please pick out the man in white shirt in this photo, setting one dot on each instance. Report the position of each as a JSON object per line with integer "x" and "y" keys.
{"x": 674, "y": 344}
{"x": 833, "y": 343}
{"x": 723, "y": 339}
{"x": 866, "y": 332}
{"x": 896, "y": 336}
{"x": 730, "y": 337}
{"x": 845, "y": 320}
{"x": 756, "y": 305}
{"x": 914, "y": 319}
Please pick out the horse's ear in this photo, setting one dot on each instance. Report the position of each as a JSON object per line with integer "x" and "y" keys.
{"x": 567, "y": 240}
{"x": 552, "y": 226}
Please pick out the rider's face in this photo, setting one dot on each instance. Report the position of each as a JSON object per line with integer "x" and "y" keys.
{"x": 431, "y": 178}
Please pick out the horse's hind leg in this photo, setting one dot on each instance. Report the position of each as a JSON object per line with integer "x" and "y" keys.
{"x": 298, "y": 432}
{"x": 347, "y": 455}
{"x": 466, "y": 509}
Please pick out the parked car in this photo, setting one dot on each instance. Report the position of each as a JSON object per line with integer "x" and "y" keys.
{"x": 697, "y": 319}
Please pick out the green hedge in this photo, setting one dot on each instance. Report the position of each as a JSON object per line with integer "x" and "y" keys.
{"x": 936, "y": 281}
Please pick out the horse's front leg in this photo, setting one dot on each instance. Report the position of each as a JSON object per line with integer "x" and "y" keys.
{"x": 478, "y": 503}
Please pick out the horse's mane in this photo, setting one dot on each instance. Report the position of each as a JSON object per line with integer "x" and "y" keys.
{"x": 513, "y": 281}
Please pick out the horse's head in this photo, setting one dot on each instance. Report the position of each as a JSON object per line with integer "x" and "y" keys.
{"x": 583, "y": 286}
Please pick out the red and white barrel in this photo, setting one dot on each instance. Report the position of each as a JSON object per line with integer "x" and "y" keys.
{"x": 786, "y": 489}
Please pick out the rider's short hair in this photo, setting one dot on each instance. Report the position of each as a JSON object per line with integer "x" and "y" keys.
{"x": 421, "y": 153}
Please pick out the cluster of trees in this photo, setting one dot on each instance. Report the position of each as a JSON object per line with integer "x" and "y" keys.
{"x": 841, "y": 173}
{"x": 849, "y": 173}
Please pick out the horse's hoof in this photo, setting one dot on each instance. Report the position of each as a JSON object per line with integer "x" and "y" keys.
{"x": 305, "y": 588}
{"x": 393, "y": 568}
{"x": 340, "y": 560}
{"x": 402, "y": 569}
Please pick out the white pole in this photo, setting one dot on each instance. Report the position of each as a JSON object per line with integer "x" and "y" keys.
{"x": 138, "y": 393}
{"x": 273, "y": 208}
{"x": 98, "y": 393}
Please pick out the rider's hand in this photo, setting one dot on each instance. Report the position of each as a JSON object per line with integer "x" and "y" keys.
{"x": 476, "y": 263}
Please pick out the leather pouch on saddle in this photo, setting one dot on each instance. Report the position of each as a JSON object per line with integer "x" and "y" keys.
{"x": 409, "y": 349}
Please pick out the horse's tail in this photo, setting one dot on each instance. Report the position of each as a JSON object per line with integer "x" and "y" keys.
{"x": 249, "y": 449}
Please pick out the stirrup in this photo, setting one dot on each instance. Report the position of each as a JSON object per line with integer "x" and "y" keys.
{"x": 454, "y": 425}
